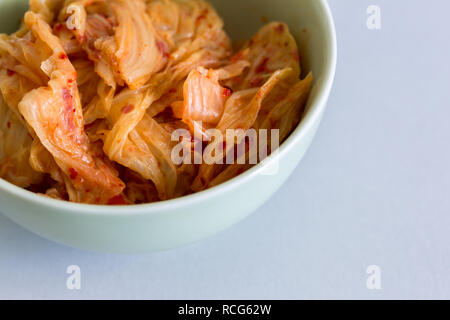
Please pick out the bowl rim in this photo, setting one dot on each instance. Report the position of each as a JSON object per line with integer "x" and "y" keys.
{"x": 306, "y": 125}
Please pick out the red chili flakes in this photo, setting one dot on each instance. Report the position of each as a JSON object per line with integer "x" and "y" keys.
{"x": 128, "y": 108}
{"x": 296, "y": 56}
{"x": 173, "y": 90}
{"x": 238, "y": 57}
{"x": 67, "y": 98}
{"x": 280, "y": 28}
{"x": 62, "y": 56}
{"x": 69, "y": 109}
{"x": 262, "y": 67}
{"x": 117, "y": 200}
{"x": 8, "y": 125}
{"x": 10, "y": 73}
{"x": 202, "y": 16}
{"x": 257, "y": 82}
{"x": 58, "y": 27}
{"x": 227, "y": 92}
{"x": 73, "y": 174}
{"x": 162, "y": 48}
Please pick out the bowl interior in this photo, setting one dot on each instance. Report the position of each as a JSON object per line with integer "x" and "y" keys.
{"x": 309, "y": 21}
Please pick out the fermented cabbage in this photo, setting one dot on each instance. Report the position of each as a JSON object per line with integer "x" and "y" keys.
{"x": 92, "y": 93}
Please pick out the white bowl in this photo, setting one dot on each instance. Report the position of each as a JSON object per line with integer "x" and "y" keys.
{"x": 178, "y": 222}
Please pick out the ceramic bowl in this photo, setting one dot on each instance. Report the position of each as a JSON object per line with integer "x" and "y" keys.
{"x": 174, "y": 223}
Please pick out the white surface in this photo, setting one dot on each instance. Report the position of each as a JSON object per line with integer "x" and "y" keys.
{"x": 373, "y": 189}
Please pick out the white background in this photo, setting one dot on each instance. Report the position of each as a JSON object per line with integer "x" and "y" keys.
{"x": 373, "y": 189}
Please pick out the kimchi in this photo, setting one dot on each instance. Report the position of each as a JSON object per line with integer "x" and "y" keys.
{"x": 118, "y": 101}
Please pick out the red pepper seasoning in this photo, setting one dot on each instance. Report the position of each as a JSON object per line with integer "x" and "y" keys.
{"x": 67, "y": 98}
{"x": 58, "y": 27}
{"x": 262, "y": 67}
{"x": 10, "y": 73}
{"x": 73, "y": 173}
{"x": 128, "y": 108}
{"x": 117, "y": 200}
{"x": 238, "y": 56}
{"x": 257, "y": 82}
{"x": 280, "y": 28}
{"x": 202, "y": 16}
{"x": 162, "y": 48}
{"x": 227, "y": 92}
{"x": 69, "y": 109}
